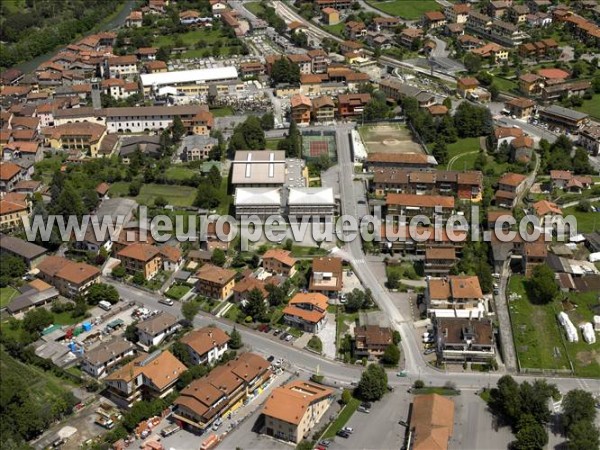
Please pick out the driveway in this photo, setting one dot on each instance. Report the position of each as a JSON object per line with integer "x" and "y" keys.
{"x": 327, "y": 336}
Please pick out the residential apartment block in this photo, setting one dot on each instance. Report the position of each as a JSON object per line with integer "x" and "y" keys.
{"x": 215, "y": 282}
{"x": 98, "y": 361}
{"x": 454, "y": 296}
{"x": 206, "y": 345}
{"x": 465, "y": 340}
{"x": 307, "y": 312}
{"x": 155, "y": 330}
{"x": 69, "y": 277}
{"x": 141, "y": 257}
{"x": 326, "y": 275}
{"x": 370, "y": 341}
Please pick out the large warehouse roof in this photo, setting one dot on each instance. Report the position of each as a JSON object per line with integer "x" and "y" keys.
{"x": 189, "y": 76}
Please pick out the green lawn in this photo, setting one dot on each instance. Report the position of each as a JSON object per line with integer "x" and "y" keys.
{"x": 119, "y": 189}
{"x": 6, "y": 295}
{"x": 342, "y": 418}
{"x": 440, "y": 390}
{"x": 180, "y": 173}
{"x": 271, "y": 144}
{"x": 224, "y": 111}
{"x": 65, "y": 318}
{"x": 190, "y": 38}
{"x": 177, "y": 291}
{"x": 591, "y": 107}
{"x": 255, "y": 8}
{"x": 536, "y": 331}
{"x": 586, "y": 222}
{"x": 504, "y": 84}
{"x": 299, "y": 251}
{"x": 465, "y": 151}
{"x": 337, "y": 29}
{"x": 407, "y": 9}
{"x": 175, "y": 195}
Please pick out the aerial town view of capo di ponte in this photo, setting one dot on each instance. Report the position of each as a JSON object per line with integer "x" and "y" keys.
{"x": 300, "y": 224}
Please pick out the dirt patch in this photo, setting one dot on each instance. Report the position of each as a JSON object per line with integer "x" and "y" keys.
{"x": 587, "y": 357}
{"x": 389, "y": 138}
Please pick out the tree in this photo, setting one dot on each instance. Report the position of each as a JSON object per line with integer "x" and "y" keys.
{"x": 542, "y": 285}
{"x": 396, "y": 337}
{"x": 118, "y": 272}
{"x": 248, "y": 135}
{"x": 393, "y": 280}
{"x": 440, "y": 151}
{"x": 181, "y": 352}
{"x": 160, "y": 202}
{"x": 207, "y": 196}
{"x": 578, "y": 405}
{"x": 494, "y": 91}
{"x": 284, "y": 71}
{"x": 267, "y": 121}
{"x": 583, "y": 435}
{"x": 472, "y": 63}
{"x": 391, "y": 355}
{"x": 189, "y": 310}
{"x": 235, "y": 339}
{"x": 531, "y": 435}
{"x": 255, "y": 305}
{"x": 295, "y": 141}
{"x": 376, "y": 109}
{"x": 68, "y": 202}
{"x": 473, "y": 121}
{"x": 277, "y": 294}
{"x": 505, "y": 399}
{"x": 177, "y": 129}
{"x": 447, "y": 103}
{"x": 102, "y": 292}
{"x": 163, "y": 53}
{"x": 131, "y": 332}
{"x": 355, "y": 300}
{"x": 36, "y": 320}
{"x": 138, "y": 278}
{"x": 214, "y": 176}
{"x": 372, "y": 384}
{"x": 218, "y": 257}
{"x": 346, "y": 396}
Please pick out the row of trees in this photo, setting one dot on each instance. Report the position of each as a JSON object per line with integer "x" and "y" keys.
{"x": 557, "y": 156}
{"x": 525, "y": 408}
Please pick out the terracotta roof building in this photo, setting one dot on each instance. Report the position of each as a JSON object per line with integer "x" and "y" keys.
{"x": 307, "y": 312}
{"x": 280, "y": 262}
{"x": 464, "y": 339}
{"x": 460, "y": 296}
{"x": 326, "y": 275}
{"x": 69, "y": 277}
{"x": 370, "y": 341}
{"x": 215, "y": 282}
{"x": 292, "y": 410}
{"x": 432, "y": 422}
{"x": 206, "y": 345}
{"x": 221, "y": 392}
{"x": 145, "y": 378}
{"x": 141, "y": 257}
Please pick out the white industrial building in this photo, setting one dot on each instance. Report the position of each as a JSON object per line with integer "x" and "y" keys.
{"x": 263, "y": 202}
{"x": 315, "y": 201}
{"x": 188, "y": 82}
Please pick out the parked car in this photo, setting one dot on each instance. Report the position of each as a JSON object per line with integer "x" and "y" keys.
{"x": 270, "y": 358}
{"x": 429, "y": 351}
{"x": 362, "y": 409}
{"x": 348, "y": 430}
{"x": 276, "y": 332}
{"x": 325, "y": 443}
{"x": 289, "y": 337}
{"x": 166, "y": 301}
{"x": 283, "y": 336}
{"x": 402, "y": 374}
{"x": 366, "y": 405}
{"x": 343, "y": 434}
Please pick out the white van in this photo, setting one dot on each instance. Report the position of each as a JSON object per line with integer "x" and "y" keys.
{"x": 106, "y": 306}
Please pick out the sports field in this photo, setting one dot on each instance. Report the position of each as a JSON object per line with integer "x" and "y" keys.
{"x": 314, "y": 146}
{"x": 388, "y": 138}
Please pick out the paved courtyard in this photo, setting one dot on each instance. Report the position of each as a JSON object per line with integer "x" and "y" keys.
{"x": 327, "y": 336}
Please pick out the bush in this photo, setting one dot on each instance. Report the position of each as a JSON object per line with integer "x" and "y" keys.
{"x": 315, "y": 344}
{"x": 419, "y": 384}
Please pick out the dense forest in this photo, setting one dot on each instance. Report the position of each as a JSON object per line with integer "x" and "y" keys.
{"x": 29, "y": 28}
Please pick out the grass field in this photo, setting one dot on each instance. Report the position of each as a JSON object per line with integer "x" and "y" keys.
{"x": 407, "y": 9}
{"x": 119, "y": 189}
{"x": 225, "y": 111}
{"x": 338, "y": 29}
{"x": 342, "y": 418}
{"x": 6, "y": 295}
{"x": 591, "y": 107}
{"x": 254, "y": 7}
{"x": 504, "y": 84}
{"x": 535, "y": 330}
{"x": 175, "y": 195}
{"x": 191, "y": 38}
{"x": 179, "y": 173}
{"x": 462, "y": 154}
{"x": 43, "y": 386}
{"x": 177, "y": 291}
{"x": 586, "y": 222}
{"x": 272, "y": 143}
